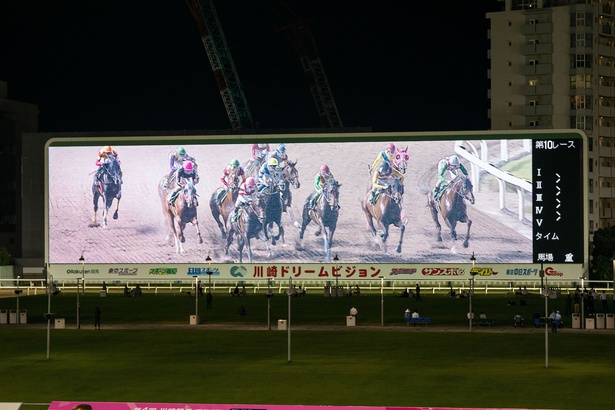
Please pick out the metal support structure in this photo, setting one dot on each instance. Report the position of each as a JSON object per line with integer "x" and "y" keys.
{"x": 290, "y": 294}
{"x": 82, "y": 260}
{"x": 545, "y": 293}
{"x": 49, "y": 315}
{"x": 337, "y": 287}
{"x": 470, "y": 313}
{"x": 196, "y": 299}
{"x": 381, "y": 301}
{"x": 301, "y": 37}
{"x": 269, "y": 295}
{"x": 222, "y": 64}
{"x": 17, "y": 293}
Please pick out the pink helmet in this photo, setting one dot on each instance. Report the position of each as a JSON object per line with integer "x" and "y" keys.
{"x": 391, "y": 147}
{"x": 188, "y": 166}
{"x": 325, "y": 169}
{"x": 250, "y": 182}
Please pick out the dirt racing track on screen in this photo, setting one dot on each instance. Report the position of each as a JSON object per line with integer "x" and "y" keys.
{"x": 523, "y": 205}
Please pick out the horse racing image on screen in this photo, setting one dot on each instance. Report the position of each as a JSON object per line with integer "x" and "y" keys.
{"x": 372, "y": 199}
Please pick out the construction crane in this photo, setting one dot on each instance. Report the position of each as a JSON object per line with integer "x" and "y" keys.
{"x": 301, "y": 37}
{"x": 222, "y": 64}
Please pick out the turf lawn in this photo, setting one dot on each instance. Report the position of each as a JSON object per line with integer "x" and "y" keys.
{"x": 408, "y": 367}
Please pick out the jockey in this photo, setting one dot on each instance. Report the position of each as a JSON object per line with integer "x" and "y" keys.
{"x": 280, "y": 155}
{"x": 183, "y": 175}
{"x": 386, "y": 155}
{"x": 380, "y": 181}
{"x": 259, "y": 151}
{"x": 452, "y": 165}
{"x": 231, "y": 169}
{"x": 177, "y": 158}
{"x": 321, "y": 178}
{"x": 268, "y": 172}
{"x": 247, "y": 193}
{"x": 105, "y": 155}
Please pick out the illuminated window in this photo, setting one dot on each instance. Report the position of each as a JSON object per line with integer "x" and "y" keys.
{"x": 533, "y": 83}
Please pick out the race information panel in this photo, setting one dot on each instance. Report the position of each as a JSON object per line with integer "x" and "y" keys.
{"x": 558, "y": 200}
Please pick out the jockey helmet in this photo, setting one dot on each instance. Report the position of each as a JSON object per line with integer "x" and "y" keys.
{"x": 181, "y": 150}
{"x": 281, "y": 148}
{"x": 454, "y": 160}
{"x": 235, "y": 163}
{"x": 325, "y": 170}
{"x": 385, "y": 169}
{"x": 272, "y": 162}
{"x": 261, "y": 146}
{"x": 391, "y": 147}
{"x": 189, "y": 167}
{"x": 250, "y": 182}
{"x": 108, "y": 149}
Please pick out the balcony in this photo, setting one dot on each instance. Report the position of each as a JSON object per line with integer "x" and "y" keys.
{"x": 540, "y": 28}
{"x": 533, "y": 69}
{"x": 546, "y": 89}
{"x": 546, "y": 109}
{"x": 606, "y": 91}
{"x": 605, "y": 111}
{"x": 534, "y": 49}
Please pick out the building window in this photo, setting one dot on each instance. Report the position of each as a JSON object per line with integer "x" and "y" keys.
{"x": 591, "y": 186}
{"x": 581, "y": 102}
{"x": 590, "y": 147}
{"x": 532, "y": 41}
{"x": 533, "y": 83}
{"x": 533, "y": 62}
{"x": 581, "y": 40}
{"x": 534, "y": 123}
{"x": 591, "y": 206}
{"x": 581, "y": 61}
{"x": 533, "y": 103}
{"x": 581, "y": 122}
{"x": 580, "y": 81}
{"x": 581, "y": 19}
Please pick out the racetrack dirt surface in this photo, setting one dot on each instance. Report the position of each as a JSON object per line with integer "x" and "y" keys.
{"x": 138, "y": 235}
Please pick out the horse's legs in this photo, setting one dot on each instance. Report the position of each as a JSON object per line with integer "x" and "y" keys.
{"x": 434, "y": 215}
{"x": 95, "y": 201}
{"x": 215, "y": 212}
{"x": 305, "y": 220}
{"x": 195, "y": 222}
{"x": 229, "y": 240}
{"x": 402, "y": 229}
{"x": 452, "y": 224}
{"x": 117, "y": 208}
{"x": 368, "y": 217}
{"x": 466, "y": 241}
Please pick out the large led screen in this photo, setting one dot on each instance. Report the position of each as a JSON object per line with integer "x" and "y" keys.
{"x": 525, "y": 204}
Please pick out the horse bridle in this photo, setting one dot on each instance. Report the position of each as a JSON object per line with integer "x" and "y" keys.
{"x": 327, "y": 189}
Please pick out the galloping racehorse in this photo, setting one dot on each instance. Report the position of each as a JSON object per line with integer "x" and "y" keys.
{"x": 291, "y": 178}
{"x": 325, "y": 213}
{"x": 248, "y": 226}
{"x": 271, "y": 203}
{"x": 400, "y": 160}
{"x": 222, "y": 210}
{"x": 107, "y": 185}
{"x": 452, "y": 207}
{"x": 386, "y": 211}
{"x": 182, "y": 211}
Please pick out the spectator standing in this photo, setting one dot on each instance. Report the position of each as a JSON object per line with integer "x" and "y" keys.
{"x": 97, "y": 314}
{"x": 568, "y": 304}
{"x": 605, "y": 303}
{"x": 209, "y": 299}
{"x": 418, "y": 292}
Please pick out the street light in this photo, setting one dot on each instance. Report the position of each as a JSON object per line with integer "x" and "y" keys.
{"x": 196, "y": 299}
{"x": 209, "y": 271}
{"x": 472, "y": 273}
{"x": 336, "y": 260}
{"x": 269, "y": 296}
{"x": 17, "y": 292}
{"x": 49, "y": 315}
{"x": 545, "y": 292}
{"x": 381, "y": 300}
{"x": 290, "y": 293}
{"x": 82, "y": 260}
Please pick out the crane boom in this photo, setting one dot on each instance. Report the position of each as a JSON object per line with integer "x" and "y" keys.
{"x": 222, "y": 64}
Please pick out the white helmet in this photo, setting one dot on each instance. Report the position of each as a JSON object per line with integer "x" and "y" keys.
{"x": 454, "y": 160}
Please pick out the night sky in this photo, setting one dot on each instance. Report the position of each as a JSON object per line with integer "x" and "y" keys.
{"x": 139, "y": 65}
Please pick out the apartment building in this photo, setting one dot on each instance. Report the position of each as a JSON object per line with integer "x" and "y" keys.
{"x": 552, "y": 66}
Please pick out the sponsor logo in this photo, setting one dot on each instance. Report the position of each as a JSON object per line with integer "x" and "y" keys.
{"x": 123, "y": 271}
{"x": 522, "y": 272}
{"x": 80, "y": 271}
{"x": 163, "y": 271}
{"x": 203, "y": 271}
{"x": 443, "y": 272}
{"x": 239, "y": 271}
{"x": 549, "y": 271}
{"x": 482, "y": 272}
{"x": 403, "y": 271}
